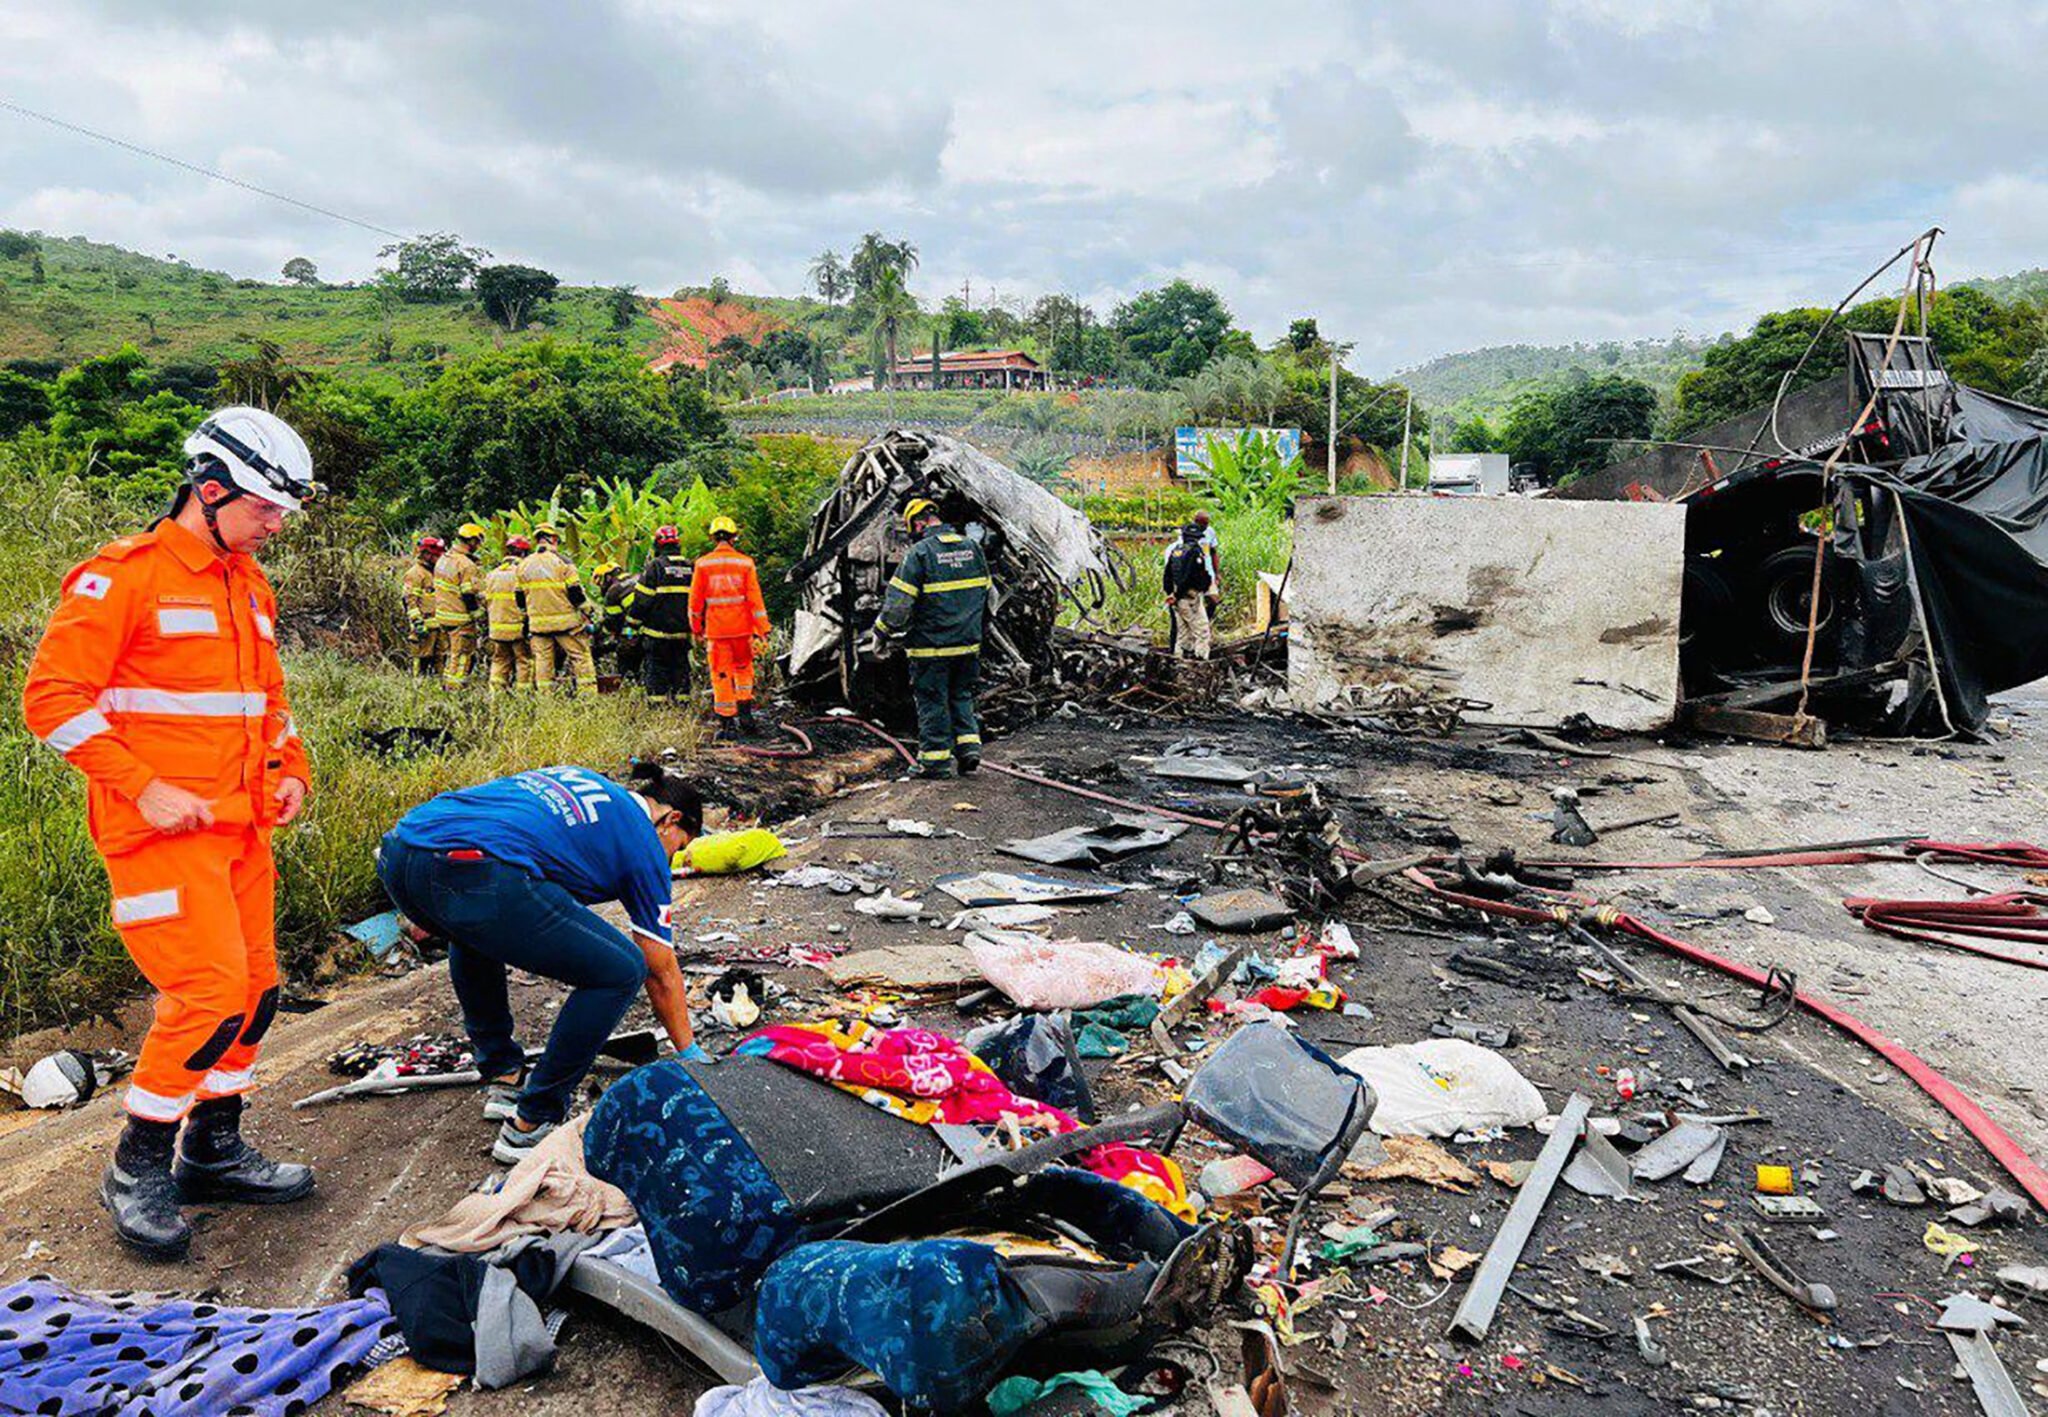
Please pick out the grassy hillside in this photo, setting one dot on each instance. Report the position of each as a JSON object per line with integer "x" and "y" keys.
{"x": 1488, "y": 381}
{"x": 2020, "y": 285}
{"x": 95, "y": 298}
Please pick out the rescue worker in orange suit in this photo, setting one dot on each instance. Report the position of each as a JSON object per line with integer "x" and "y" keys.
{"x": 727, "y": 611}
{"x": 557, "y": 613}
{"x": 158, "y": 678}
{"x": 458, "y": 603}
{"x": 418, "y": 586}
{"x": 660, "y": 611}
{"x": 505, "y": 620}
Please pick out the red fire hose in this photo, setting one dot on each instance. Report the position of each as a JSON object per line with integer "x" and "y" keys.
{"x": 2014, "y": 915}
{"x": 2007, "y": 1152}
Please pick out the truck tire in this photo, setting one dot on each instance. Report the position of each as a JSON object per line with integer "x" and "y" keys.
{"x": 1782, "y": 590}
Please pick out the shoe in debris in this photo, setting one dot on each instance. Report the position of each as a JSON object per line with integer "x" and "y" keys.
{"x": 216, "y": 1165}
{"x": 933, "y": 772}
{"x": 514, "y": 1146}
{"x": 143, "y": 1200}
{"x": 969, "y": 764}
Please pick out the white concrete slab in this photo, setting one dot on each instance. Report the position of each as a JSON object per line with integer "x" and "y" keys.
{"x": 1539, "y": 608}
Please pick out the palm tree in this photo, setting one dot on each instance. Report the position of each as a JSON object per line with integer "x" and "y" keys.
{"x": 830, "y": 276}
{"x": 891, "y": 307}
{"x": 876, "y": 254}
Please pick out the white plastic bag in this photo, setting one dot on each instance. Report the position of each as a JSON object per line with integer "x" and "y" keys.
{"x": 1442, "y": 1086}
{"x": 1061, "y": 974}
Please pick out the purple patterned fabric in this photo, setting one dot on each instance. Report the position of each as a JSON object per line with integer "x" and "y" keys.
{"x": 66, "y": 1354}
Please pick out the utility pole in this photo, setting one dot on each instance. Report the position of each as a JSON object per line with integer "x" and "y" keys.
{"x": 1407, "y": 414}
{"x": 1332, "y": 449}
{"x": 967, "y": 292}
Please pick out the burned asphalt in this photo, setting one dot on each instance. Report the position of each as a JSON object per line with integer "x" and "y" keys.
{"x": 1374, "y": 1342}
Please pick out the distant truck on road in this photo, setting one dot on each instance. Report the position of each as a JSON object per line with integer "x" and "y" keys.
{"x": 1470, "y": 474}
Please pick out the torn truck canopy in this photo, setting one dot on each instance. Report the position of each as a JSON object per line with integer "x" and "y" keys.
{"x": 1040, "y": 551}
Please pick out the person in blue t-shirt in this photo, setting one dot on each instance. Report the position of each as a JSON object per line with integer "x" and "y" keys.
{"x": 506, "y": 872}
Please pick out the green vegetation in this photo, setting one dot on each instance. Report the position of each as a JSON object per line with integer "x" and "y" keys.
{"x": 96, "y": 298}
{"x": 59, "y": 957}
{"x": 1565, "y": 432}
{"x": 1485, "y": 383}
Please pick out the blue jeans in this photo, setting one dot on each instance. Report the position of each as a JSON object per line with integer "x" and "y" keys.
{"x": 494, "y": 916}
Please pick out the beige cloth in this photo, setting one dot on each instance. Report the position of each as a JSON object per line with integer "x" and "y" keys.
{"x": 1191, "y": 625}
{"x": 548, "y": 1192}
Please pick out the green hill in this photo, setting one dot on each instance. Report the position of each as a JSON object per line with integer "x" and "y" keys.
{"x": 1488, "y": 381}
{"x": 94, "y": 298}
{"x": 2020, "y": 285}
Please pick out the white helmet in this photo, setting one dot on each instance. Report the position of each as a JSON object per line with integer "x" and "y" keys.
{"x": 260, "y": 453}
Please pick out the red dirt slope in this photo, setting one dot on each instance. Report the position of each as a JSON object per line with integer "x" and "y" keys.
{"x": 695, "y": 325}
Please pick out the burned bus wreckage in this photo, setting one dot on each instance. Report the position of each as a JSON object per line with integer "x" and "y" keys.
{"x": 1040, "y": 551}
{"x": 1934, "y": 572}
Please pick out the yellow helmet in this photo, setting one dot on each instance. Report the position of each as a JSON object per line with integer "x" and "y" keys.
{"x": 917, "y": 508}
{"x": 604, "y": 568}
{"x": 547, "y": 529}
{"x": 470, "y": 531}
{"x": 724, "y": 526}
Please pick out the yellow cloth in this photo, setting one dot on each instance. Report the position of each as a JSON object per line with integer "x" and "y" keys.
{"x": 722, "y": 853}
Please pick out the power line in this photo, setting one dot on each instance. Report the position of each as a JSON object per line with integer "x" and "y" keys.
{"x": 195, "y": 167}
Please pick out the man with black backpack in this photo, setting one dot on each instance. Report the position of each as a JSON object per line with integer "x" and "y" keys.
{"x": 1190, "y": 582}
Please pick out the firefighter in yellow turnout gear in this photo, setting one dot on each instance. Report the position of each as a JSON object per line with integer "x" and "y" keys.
{"x": 458, "y": 603}
{"x": 417, "y": 587}
{"x": 505, "y": 620}
{"x": 556, "y": 623}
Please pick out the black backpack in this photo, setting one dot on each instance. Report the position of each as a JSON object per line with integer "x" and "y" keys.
{"x": 1187, "y": 568}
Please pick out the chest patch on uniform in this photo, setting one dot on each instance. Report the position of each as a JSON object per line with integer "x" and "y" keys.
{"x": 93, "y": 584}
{"x": 187, "y": 620}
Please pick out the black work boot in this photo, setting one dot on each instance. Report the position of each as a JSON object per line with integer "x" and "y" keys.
{"x": 215, "y": 1164}
{"x": 933, "y": 771}
{"x": 141, "y": 1196}
{"x": 969, "y": 762}
{"x": 748, "y": 726}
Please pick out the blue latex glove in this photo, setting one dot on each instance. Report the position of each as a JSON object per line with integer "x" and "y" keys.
{"x": 694, "y": 1054}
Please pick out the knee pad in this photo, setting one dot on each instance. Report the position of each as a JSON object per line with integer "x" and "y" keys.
{"x": 216, "y": 1045}
{"x": 259, "y": 1022}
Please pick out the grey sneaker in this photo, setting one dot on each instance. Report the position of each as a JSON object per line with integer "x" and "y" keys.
{"x": 514, "y": 1146}
{"x": 501, "y": 1100}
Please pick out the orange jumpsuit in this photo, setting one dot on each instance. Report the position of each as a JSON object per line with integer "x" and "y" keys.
{"x": 161, "y": 662}
{"x": 727, "y": 611}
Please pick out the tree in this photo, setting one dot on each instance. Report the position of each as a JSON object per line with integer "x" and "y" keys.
{"x": 890, "y": 307}
{"x": 829, "y": 275}
{"x": 875, "y": 255}
{"x": 1564, "y": 431}
{"x": 1175, "y": 330}
{"x": 24, "y": 403}
{"x": 513, "y": 425}
{"x": 264, "y": 378}
{"x": 36, "y": 274}
{"x": 624, "y": 303}
{"x": 435, "y": 267}
{"x": 1303, "y": 337}
{"x": 16, "y": 244}
{"x": 511, "y": 294}
{"x": 1061, "y": 325}
{"x": 300, "y": 271}
{"x": 1471, "y": 435}
{"x": 720, "y": 290}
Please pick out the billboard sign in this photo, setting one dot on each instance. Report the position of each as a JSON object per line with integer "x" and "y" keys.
{"x": 1191, "y": 446}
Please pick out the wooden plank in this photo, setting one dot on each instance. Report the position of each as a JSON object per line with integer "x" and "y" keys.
{"x": 1786, "y": 730}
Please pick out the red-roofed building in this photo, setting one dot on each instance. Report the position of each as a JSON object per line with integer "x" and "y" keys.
{"x": 973, "y": 369}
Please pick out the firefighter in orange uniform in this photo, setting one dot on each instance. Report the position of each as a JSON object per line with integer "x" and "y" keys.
{"x": 158, "y": 678}
{"x": 727, "y": 612}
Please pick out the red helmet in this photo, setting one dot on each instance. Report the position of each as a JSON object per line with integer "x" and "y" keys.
{"x": 667, "y": 536}
{"x": 432, "y": 545}
{"x": 519, "y": 544}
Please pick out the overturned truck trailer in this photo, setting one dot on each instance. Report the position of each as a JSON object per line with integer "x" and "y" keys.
{"x": 1934, "y": 576}
{"x": 1040, "y": 552}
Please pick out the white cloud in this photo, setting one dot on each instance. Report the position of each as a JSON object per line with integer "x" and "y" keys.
{"x": 1420, "y": 178}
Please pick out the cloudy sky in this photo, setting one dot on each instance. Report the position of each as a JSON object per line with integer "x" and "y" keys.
{"x": 1421, "y": 176}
